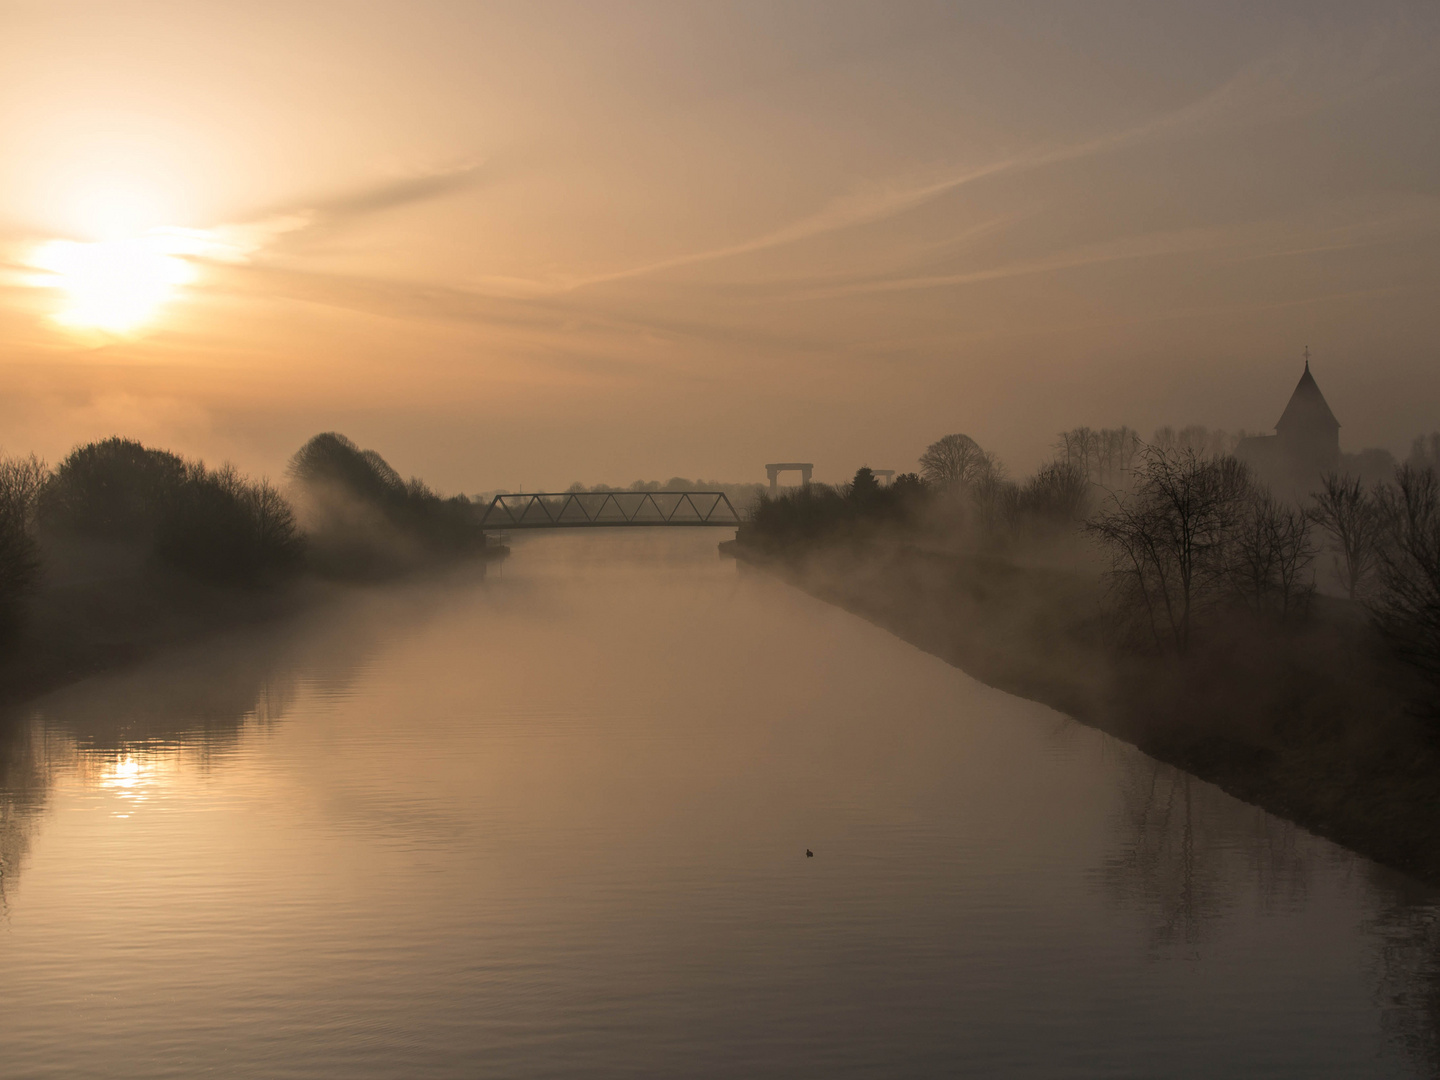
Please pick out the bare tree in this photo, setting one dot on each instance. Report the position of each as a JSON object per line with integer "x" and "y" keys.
{"x": 996, "y": 502}
{"x": 1196, "y": 439}
{"x": 957, "y": 461}
{"x": 1171, "y": 538}
{"x": 1406, "y": 605}
{"x": 1425, "y": 451}
{"x": 1351, "y": 518}
{"x": 1272, "y": 555}
{"x": 1104, "y": 457}
{"x": 21, "y": 480}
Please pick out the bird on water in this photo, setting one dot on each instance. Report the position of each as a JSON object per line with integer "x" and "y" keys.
{"x": 809, "y": 854}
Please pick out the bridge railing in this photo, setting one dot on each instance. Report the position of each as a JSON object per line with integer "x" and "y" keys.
{"x": 593, "y": 509}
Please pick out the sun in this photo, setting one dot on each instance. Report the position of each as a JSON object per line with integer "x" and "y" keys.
{"x": 117, "y": 286}
{"x": 120, "y": 267}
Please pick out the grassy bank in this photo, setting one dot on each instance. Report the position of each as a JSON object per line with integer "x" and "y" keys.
{"x": 1314, "y": 722}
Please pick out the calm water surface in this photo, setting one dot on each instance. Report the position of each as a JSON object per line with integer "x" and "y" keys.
{"x": 553, "y": 823}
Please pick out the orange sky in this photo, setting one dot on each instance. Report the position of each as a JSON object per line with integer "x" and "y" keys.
{"x": 525, "y": 244}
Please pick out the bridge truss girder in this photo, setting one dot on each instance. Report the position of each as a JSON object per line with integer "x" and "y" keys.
{"x": 609, "y": 509}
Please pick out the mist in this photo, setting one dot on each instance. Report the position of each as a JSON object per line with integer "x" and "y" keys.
{"x": 641, "y": 539}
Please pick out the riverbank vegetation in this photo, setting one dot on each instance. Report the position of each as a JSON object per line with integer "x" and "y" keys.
{"x": 122, "y": 547}
{"x": 1288, "y": 650}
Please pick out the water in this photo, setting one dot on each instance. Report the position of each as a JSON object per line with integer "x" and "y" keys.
{"x": 554, "y": 823}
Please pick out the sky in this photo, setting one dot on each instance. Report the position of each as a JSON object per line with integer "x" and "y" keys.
{"x": 520, "y": 245}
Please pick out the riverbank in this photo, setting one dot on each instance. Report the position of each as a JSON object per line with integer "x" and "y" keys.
{"x": 121, "y": 610}
{"x": 1314, "y": 725}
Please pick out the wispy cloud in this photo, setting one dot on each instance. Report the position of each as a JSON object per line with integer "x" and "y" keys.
{"x": 1304, "y": 76}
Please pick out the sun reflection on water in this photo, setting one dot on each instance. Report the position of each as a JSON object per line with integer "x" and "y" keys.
{"x": 134, "y": 775}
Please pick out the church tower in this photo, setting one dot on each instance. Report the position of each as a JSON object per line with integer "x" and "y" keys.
{"x": 1306, "y": 443}
{"x": 1307, "y": 433}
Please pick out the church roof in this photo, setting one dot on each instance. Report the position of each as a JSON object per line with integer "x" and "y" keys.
{"x": 1307, "y": 408}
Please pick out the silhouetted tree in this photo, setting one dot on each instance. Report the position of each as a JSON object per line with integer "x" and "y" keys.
{"x": 1406, "y": 604}
{"x": 864, "y": 488}
{"x": 1105, "y": 457}
{"x": 1351, "y": 518}
{"x": 1170, "y": 540}
{"x": 220, "y": 528}
{"x": 21, "y": 480}
{"x": 364, "y": 520}
{"x": 1198, "y": 440}
{"x": 1425, "y": 452}
{"x": 956, "y": 461}
{"x": 1057, "y": 495}
{"x": 1272, "y": 556}
{"x": 112, "y": 490}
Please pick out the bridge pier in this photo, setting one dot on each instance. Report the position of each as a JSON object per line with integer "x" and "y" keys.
{"x": 774, "y": 471}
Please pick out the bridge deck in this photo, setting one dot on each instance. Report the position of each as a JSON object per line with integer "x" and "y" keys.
{"x": 610, "y": 509}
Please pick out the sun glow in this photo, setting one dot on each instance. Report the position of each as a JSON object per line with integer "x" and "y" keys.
{"x": 118, "y": 286}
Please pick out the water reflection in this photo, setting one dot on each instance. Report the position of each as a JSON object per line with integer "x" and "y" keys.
{"x": 1407, "y": 927}
{"x": 128, "y": 735}
{"x": 557, "y": 825}
{"x": 1184, "y": 851}
{"x": 25, "y": 771}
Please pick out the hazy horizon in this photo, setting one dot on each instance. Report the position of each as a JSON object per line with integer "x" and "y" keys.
{"x": 520, "y": 245}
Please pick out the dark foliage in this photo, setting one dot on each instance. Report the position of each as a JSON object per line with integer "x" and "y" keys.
{"x": 211, "y": 524}
{"x": 363, "y": 520}
{"x": 112, "y": 490}
{"x": 1194, "y": 534}
{"x": 220, "y": 528}
{"x": 20, "y": 484}
{"x": 817, "y": 510}
{"x": 1406, "y": 604}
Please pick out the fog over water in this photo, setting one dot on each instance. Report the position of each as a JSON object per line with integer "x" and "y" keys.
{"x": 554, "y": 821}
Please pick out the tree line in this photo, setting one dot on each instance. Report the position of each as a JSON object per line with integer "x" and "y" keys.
{"x": 1187, "y": 532}
{"x": 343, "y": 513}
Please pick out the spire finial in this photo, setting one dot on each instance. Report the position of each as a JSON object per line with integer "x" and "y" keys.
{"x": 1307, "y": 357}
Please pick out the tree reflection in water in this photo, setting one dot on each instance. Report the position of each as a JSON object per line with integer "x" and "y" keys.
{"x": 25, "y": 770}
{"x": 1408, "y": 929}
{"x": 189, "y": 709}
{"x": 1187, "y": 854}
{"x": 1186, "y": 849}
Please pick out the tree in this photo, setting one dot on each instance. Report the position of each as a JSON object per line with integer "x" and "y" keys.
{"x": 1425, "y": 451}
{"x": 1104, "y": 457}
{"x": 21, "y": 480}
{"x": 112, "y": 490}
{"x": 864, "y": 488}
{"x": 1056, "y": 495}
{"x": 957, "y": 461}
{"x": 1351, "y": 519}
{"x": 1170, "y": 540}
{"x": 1272, "y": 555}
{"x": 218, "y": 527}
{"x": 1406, "y": 604}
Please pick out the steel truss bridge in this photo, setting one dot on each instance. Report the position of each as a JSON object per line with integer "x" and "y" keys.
{"x": 607, "y": 509}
